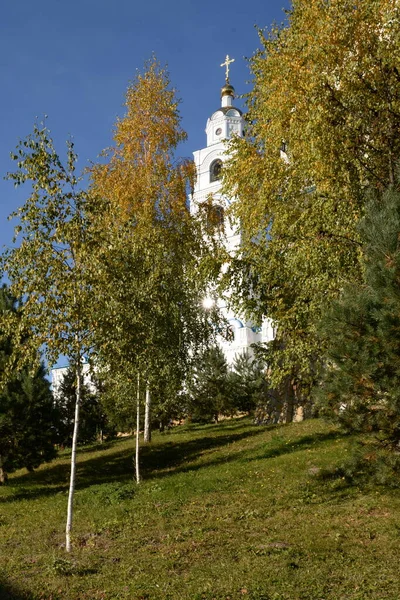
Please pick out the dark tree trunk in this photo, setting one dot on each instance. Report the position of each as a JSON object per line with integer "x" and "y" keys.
{"x": 3, "y": 474}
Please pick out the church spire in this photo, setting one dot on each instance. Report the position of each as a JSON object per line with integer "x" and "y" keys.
{"x": 226, "y": 64}
{"x": 228, "y": 91}
{"x": 227, "y": 120}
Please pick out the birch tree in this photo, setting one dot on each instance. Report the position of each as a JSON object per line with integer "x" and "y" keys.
{"x": 49, "y": 269}
{"x": 137, "y": 462}
{"x": 147, "y": 416}
{"x": 155, "y": 264}
{"x": 323, "y": 123}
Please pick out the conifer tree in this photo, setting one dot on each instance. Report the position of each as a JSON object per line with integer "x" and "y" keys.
{"x": 209, "y": 387}
{"x": 247, "y": 382}
{"x": 361, "y": 385}
{"x": 28, "y": 420}
{"x": 93, "y": 422}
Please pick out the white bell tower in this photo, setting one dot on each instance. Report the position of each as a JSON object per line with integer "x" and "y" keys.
{"x": 226, "y": 122}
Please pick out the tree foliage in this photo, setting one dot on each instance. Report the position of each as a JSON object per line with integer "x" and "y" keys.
{"x": 322, "y": 124}
{"x": 362, "y": 376}
{"x": 209, "y": 393}
{"x": 50, "y": 269}
{"x": 93, "y": 422}
{"x": 154, "y": 262}
{"x": 248, "y": 382}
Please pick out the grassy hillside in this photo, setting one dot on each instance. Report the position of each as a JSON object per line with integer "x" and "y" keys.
{"x": 225, "y": 511}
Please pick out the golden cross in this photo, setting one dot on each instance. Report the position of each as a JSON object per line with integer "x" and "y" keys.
{"x": 226, "y": 64}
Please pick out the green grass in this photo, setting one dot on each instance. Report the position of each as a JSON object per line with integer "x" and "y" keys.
{"x": 224, "y": 511}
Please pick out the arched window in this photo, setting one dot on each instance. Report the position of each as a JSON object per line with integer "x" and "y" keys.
{"x": 215, "y": 170}
{"x": 214, "y": 216}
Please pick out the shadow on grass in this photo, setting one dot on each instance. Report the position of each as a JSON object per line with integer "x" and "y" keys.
{"x": 175, "y": 456}
{"x": 117, "y": 467}
{"x": 165, "y": 458}
{"x": 303, "y": 443}
{"x": 307, "y": 441}
{"x": 11, "y": 592}
{"x": 101, "y": 446}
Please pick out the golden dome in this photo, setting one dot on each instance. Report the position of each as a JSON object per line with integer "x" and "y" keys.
{"x": 228, "y": 90}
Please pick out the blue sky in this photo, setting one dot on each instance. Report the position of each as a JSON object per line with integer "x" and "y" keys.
{"x": 73, "y": 60}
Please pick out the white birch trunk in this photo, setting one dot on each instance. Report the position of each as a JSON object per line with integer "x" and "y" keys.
{"x": 147, "y": 416}
{"x": 68, "y": 528}
{"x": 137, "y": 430}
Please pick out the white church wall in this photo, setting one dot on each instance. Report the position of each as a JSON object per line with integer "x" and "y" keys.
{"x": 57, "y": 377}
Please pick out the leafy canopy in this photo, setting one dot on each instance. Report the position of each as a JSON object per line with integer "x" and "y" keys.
{"x": 362, "y": 376}
{"x": 323, "y": 121}
{"x": 49, "y": 268}
{"x": 153, "y": 266}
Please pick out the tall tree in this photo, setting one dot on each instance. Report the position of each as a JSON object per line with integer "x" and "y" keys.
{"x": 153, "y": 266}
{"x": 209, "y": 389}
{"x": 49, "y": 268}
{"x": 28, "y": 419}
{"x": 323, "y": 121}
{"x": 361, "y": 382}
{"x": 248, "y": 382}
